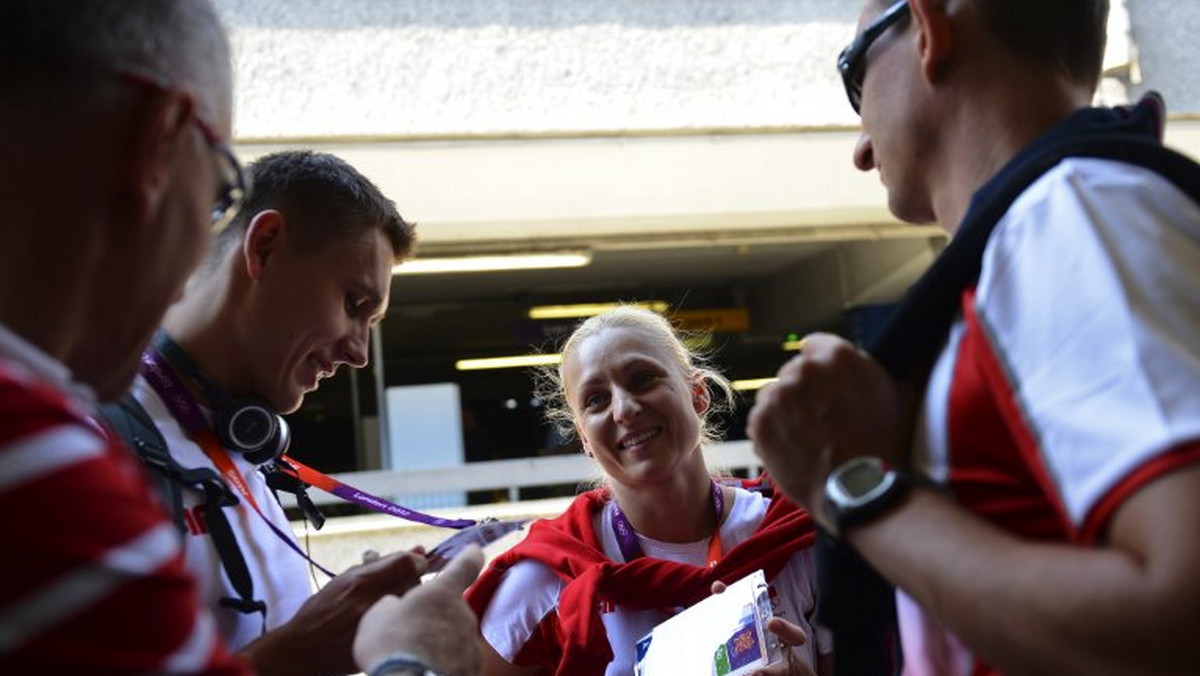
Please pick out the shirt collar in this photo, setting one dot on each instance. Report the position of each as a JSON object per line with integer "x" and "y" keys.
{"x": 43, "y": 367}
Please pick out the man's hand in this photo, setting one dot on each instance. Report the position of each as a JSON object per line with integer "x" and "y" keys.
{"x": 432, "y": 622}
{"x": 831, "y": 403}
{"x": 318, "y": 639}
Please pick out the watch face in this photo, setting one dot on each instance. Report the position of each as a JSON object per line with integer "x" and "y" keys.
{"x": 861, "y": 478}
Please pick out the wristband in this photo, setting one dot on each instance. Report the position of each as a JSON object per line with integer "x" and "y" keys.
{"x": 402, "y": 663}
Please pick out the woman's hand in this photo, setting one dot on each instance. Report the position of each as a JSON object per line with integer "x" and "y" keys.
{"x": 789, "y": 636}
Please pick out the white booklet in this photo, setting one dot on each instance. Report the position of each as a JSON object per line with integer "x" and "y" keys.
{"x": 723, "y": 635}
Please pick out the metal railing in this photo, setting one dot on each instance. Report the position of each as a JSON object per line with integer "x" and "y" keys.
{"x": 513, "y": 475}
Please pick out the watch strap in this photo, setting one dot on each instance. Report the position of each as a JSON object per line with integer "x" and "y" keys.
{"x": 900, "y": 485}
{"x": 401, "y": 664}
{"x": 843, "y": 510}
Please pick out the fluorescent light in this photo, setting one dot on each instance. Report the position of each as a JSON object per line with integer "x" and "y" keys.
{"x": 518, "y": 361}
{"x": 427, "y": 266}
{"x": 589, "y": 309}
{"x": 752, "y": 384}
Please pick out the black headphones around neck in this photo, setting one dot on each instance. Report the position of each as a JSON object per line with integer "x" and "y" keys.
{"x": 247, "y": 426}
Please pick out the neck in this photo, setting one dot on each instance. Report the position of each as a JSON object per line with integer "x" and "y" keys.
{"x": 991, "y": 128}
{"x": 679, "y": 510}
{"x": 44, "y": 306}
{"x": 53, "y": 240}
{"x": 202, "y": 324}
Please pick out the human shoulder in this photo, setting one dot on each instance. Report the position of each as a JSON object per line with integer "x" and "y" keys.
{"x": 745, "y": 514}
{"x": 1083, "y": 213}
{"x": 24, "y": 396}
{"x": 528, "y": 574}
{"x": 560, "y": 545}
{"x": 44, "y": 436}
{"x": 528, "y": 591}
{"x": 182, "y": 448}
{"x": 1094, "y": 192}
{"x": 66, "y": 463}
{"x": 1087, "y": 295}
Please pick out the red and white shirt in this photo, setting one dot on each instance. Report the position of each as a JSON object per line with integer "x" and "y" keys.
{"x": 93, "y": 578}
{"x": 1073, "y": 376}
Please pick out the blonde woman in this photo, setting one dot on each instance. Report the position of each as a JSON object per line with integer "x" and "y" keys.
{"x": 582, "y": 588}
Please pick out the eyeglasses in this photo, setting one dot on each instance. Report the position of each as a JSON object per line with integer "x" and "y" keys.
{"x": 233, "y": 182}
{"x": 852, "y": 62}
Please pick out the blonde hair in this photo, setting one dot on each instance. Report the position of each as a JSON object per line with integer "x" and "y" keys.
{"x": 692, "y": 363}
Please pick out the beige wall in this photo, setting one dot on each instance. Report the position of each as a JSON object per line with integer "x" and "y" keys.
{"x": 398, "y": 68}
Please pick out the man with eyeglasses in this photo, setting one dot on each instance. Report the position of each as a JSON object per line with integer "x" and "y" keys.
{"x": 113, "y": 166}
{"x": 1019, "y": 451}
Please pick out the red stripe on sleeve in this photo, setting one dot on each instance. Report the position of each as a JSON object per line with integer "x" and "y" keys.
{"x": 1098, "y": 518}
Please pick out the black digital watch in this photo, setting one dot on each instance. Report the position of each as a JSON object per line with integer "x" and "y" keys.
{"x": 860, "y": 489}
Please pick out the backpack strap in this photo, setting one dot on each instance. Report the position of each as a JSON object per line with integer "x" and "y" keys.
{"x": 130, "y": 421}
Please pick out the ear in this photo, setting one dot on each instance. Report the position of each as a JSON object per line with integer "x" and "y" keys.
{"x": 583, "y": 440}
{"x": 263, "y": 238}
{"x": 701, "y": 397}
{"x": 935, "y": 35}
{"x": 157, "y": 129}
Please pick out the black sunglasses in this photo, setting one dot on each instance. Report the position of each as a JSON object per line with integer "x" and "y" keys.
{"x": 852, "y": 62}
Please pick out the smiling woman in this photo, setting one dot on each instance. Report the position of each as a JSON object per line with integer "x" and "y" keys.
{"x": 625, "y": 379}
{"x": 569, "y": 599}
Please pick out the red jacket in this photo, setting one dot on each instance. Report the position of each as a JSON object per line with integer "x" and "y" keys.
{"x": 568, "y": 545}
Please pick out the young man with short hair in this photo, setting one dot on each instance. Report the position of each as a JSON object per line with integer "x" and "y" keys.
{"x": 287, "y": 295}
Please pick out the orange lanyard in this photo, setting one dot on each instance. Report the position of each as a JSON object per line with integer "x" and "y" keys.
{"x": 627, "y": 537}
{"x": 715, "y": 550}
{"x": 206, "y": 439}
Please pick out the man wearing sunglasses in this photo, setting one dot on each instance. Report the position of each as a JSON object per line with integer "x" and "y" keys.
{"x": 1019, "y": 451}
{"x": 113, "y": 167}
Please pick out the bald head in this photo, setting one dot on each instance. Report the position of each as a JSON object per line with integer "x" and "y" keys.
{"x": 54, "y": 52}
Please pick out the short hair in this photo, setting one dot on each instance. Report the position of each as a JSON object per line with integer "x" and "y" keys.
{"x": 691, "y": 362}
{"x": 322, "y": 198}
{"x": 52, "y": 50}
{"x": 1068, "y": 33}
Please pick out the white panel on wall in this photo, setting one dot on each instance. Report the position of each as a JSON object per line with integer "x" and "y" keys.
{"x": 425, "y": 432}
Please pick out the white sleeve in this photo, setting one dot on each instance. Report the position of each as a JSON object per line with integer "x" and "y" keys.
{"x": 526, "y": 594}
{"x": 1089, "y": 297}
{"x": 797, "y": 586}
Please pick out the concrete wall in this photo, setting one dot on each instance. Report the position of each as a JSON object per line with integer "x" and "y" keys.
{"x": 1165, "y": 34}
{"x": 387, "y": 67}
{"x": 345, "y": 68}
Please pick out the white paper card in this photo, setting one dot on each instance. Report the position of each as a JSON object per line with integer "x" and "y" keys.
{"x": 723, "y": 635}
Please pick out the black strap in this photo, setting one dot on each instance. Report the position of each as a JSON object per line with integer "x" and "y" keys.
{"x": 132, "y": 424}
{"x": 130, "y": 421}
{"x": 856, "y": 602}
{"x": 278, "y": 480}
